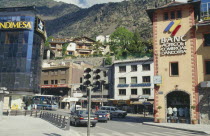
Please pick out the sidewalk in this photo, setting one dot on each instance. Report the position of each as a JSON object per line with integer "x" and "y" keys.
{"x": 187, "y": 127}
{"x": 29, "y": 126}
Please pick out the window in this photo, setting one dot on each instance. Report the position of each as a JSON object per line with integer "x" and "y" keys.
{"x": 133, "y": 67}
{"x": 146, "y": 79}
{"x": 133, "y": 80}
{"x": 122, "y": 68}
{"x": 63, "y": 71}
{"x": 146, "y": 67}
{"x": 55, "y": 72}
{"x": 172, "y": 15}
{"x": 207, "y": 39}
{"x": 45, "y": 82}
{"x": 133, "y": 91}
{"x": 166, "y": 16}
{"x": 174, "y": 69}
{"x": 179, "y": 14}
{"x": 56, "y": 82}
{"x": 122, "y": 91}
{"x": 122, "y": 80}
{"x": 146, "y": 91}
{"x": 45, "y": 73}
{"x": 51, "y": 72}
{"x": 52, "y": 82}
{"x": 207, "y": 67}
{"x": 63, "y": 81}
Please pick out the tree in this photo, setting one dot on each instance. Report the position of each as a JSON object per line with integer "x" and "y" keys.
{"x": 47, "y": 41}
{"x": 64, "y": 49}
{"x": 97, "y": 48}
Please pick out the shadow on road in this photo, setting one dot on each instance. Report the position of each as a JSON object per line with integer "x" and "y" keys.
{"x": 51, "y": 134}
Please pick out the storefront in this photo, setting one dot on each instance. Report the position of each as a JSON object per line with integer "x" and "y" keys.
{"x": 22, "y": 37}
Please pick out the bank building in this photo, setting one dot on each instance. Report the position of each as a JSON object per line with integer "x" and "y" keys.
{"x": 181, "y": 43}
{"x": 22, "y": 36}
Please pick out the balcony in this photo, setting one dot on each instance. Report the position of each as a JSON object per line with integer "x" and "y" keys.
{"x": 134, "y": 96}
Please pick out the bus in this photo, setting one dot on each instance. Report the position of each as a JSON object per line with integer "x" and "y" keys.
{"x": 45, "y": 102}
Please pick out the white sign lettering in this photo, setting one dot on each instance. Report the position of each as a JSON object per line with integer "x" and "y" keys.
{"x": 173, "y": 46}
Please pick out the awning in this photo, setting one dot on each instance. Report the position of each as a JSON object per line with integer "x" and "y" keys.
{"x": 70, "y": 99}
{"x": 141, "y": 103}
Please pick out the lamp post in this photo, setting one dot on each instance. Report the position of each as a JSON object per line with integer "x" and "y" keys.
{"x": 3, "y": 90}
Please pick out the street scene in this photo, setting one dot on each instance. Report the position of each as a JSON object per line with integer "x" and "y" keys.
{"x": 105, "y": 68}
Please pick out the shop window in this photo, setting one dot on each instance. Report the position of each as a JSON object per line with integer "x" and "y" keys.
{"x": 146, "y": 91}
{"x": 179, "y": 14}
{"x": 174, "y": 67}
{"x": 166, "y": 16}
{"x": 172, "y": 15}
{"x": 122, "y": 80}
{"x": 133, "y": 67}
{"x": 63, "y": 81}
{"x": 207, "y": 67}
{"x": 207, "y": 39}
{"x": 146, "y": 67}
{"x": 133, "y": 91}
{"x": 133, "y": 80}
{"x": 122, "y": 69}
{"x": 122, "y": 91}
{"x": 45, "y": 82}
{"x": 52, "y": 82}
{"x": 146, "y": 79}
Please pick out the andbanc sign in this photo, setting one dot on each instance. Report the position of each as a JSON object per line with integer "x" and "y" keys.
{"x": 16, "y": 25}
{"x": 173, "y": 45}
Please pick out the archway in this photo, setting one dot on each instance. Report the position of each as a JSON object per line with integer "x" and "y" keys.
{"x": 178, "y": 105}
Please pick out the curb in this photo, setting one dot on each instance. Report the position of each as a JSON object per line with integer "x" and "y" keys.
{"x": 189, "y": 130}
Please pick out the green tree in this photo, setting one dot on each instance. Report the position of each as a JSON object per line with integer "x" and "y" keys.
{"x": 47, "y": 41}
{"x": 64, "y": 49}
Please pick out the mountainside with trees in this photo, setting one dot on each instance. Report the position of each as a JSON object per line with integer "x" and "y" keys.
{"x": 68, "y": 20}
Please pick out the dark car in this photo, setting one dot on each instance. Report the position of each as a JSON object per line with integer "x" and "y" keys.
{"x": 103, "y": 115}
{"x": 80, "y": 117}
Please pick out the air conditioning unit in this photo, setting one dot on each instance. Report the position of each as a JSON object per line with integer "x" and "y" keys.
{"x": 205, "y": 84}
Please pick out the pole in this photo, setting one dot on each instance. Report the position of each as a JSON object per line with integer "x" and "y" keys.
{"x": 89, "y": 107}
{"x": 102, "y": 89}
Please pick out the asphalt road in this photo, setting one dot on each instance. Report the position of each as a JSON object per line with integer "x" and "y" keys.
{"x": 130, "y": 126}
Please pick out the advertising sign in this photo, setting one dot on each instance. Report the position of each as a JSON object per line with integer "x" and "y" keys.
{"x": 16, "y": 25}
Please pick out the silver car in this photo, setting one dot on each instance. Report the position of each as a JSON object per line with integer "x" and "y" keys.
{"x": 80, "y": 117}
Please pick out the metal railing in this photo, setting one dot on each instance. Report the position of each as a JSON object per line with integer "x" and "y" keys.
{"x": 60, "y": 120}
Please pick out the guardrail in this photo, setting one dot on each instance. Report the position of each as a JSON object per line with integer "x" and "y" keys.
{"x": 34, "y": 113}
{"x": 60, "y": 120}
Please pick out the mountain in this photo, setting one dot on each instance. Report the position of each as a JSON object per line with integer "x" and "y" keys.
{"x": 71, "y": 21}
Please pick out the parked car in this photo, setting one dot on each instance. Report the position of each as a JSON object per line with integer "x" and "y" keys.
{"x": 103, "y": 115}
{"x": 114, "y": 111}
{"x": 80, "y": 117}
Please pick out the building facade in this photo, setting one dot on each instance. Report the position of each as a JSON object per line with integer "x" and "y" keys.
{"x": 181, "y": 54}
{"x": 133, "y": 83}
{"x": 22, "y": 37}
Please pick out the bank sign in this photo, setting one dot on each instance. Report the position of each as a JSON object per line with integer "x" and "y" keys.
{"x": 16, "y": 25}
{"x": 173, "y": 45}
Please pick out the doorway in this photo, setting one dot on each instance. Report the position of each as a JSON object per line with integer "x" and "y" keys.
{"x": 178, "y": 107}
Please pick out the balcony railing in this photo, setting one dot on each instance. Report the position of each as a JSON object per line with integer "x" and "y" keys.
{"x": 123, "y": 85}
{"x": 140, "y": 85}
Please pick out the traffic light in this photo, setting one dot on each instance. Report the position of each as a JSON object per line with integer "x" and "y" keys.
{"x": 88, "y": 76}
{"x": 96, "y": 77}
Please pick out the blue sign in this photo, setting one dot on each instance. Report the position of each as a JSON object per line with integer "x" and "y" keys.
{"x": 123, "y": 85}
{"x": 141, "y": 85}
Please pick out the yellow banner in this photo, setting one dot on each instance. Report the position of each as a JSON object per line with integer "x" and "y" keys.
{"x": 16, "y": 25}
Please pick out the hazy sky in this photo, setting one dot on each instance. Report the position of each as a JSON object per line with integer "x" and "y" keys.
{"x": 89, "y": 3}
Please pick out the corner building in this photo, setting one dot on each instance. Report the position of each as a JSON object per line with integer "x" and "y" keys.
{"x": 181, "y": 63}
{"x": 22, "y": 36}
